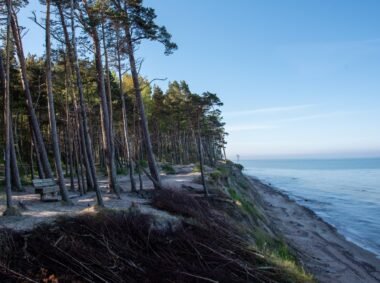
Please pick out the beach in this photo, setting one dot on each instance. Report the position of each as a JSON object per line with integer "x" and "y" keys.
{"x": 319, "y": 247}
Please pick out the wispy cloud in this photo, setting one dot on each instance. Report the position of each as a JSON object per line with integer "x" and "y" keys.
{"x": 269, "y": 110}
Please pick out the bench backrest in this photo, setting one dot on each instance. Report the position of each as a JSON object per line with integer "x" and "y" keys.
{"x": 42, "y": 183}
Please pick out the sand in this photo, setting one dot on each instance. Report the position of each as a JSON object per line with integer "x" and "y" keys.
{"x": 320, "y": 248}
{"x": 38, "y": 212}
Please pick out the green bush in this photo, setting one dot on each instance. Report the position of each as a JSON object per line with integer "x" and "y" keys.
{"x": 122, "y": 171}
{"x": 168, "y": 169}
{"x": 245, "y": 205}
{"x": 216, "y": 175}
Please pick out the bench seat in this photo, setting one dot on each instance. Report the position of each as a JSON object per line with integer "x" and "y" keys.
{"x": 46, "y": 188}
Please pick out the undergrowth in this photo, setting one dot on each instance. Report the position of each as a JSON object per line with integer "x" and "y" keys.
{"x": 275, "y": 251}
{"x": 125, "y": 247}
{"x": 242, "y": 202}
{"x": 168, "y": 169}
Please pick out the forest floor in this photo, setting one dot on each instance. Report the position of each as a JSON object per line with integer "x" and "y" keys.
{"x": 34, "y": 211}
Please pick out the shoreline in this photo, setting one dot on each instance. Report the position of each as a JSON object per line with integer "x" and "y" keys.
{"x": 321, "y": 249}
{"x": 315, "y": 214}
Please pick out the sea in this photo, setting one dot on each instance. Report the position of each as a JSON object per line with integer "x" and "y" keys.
{"x": 343, "y": 192}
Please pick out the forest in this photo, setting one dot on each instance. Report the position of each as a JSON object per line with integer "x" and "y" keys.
{"x": 84, "y": 110}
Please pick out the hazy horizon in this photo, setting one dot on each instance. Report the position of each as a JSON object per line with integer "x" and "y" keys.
{"x": 302, "y": 157}
{"x": 298, "y": 78}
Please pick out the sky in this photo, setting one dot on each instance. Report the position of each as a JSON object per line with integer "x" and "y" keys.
{"x": 298, "y": 78}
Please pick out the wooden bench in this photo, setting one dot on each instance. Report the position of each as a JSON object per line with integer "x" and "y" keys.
{"x": 47, "y": 188}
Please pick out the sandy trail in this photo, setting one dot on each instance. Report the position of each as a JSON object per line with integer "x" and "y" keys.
{"x": 321, "y": 249}
{"x": 38, "y": 212}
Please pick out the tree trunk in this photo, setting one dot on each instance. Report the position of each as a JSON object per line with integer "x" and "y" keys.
{"x": 40, "y": 145}
{"x": 125, "y": 120}
{"x": 31, "y": 160}
{"x": 81, "y": 121}
{"x": 144, "y": 123}
{"x": 16, "y": 180}
{"x": 52, "y": 120}
{"x": 200, "y": 156}
{"x": 40, "y": 168}
{"x": 107, "y": 134}
{"x": 73, "y": 55}
{"x": 107, "y": 80}
{"x": 7, "y": 125}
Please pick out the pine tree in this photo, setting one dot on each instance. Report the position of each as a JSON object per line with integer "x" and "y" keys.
{"x": 138, "y": 23}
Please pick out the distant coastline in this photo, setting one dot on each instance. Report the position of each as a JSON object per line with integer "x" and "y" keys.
{"x": 320, "y": 247}
{"x": 344, "y": 192}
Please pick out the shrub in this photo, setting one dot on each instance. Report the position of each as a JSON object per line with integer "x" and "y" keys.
{"x": 168, "y": 169}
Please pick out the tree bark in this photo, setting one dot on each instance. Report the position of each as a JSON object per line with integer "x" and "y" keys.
{"x": 40, "y": 168}
{"x": 200, "y": 156}
{"x": 144, "y": 123}
{"x": 7, "y": 118}
{"x": 40, "y": 145}
{"x": 16, "y": 180}
{"x": 87, "y": 140}
{"x": 125, "y": 119}
{"x": 82, "y": 121}
{"x": 107, "y": 134}
{"x": 52, "y": 120}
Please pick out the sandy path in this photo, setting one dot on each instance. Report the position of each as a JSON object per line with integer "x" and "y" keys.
{"x": 321, "y": 249}
{"x": 38, "y": 212}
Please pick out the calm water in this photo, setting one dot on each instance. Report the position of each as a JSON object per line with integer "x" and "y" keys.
{"x": 344, "y": 192}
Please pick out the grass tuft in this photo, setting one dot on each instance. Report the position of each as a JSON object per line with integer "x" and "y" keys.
{"x": 168, "y": 169}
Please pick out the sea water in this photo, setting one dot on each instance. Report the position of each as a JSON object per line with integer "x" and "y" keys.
{"x": 343, "y": 192}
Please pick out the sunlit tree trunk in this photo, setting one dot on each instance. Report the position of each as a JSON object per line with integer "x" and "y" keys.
{"x": 125, "y": 119}
{"x": 140, "y": 104}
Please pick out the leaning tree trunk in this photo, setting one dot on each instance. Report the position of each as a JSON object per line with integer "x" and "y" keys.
{"x": 107, "y": 138}
{"x": 40, "y": 168}
{"x": 73, "y": 58}
{"x": 52, "y": 120}
{"x": 108, "y": 81}
{"x": 125, "y": 120}
{"x": 107, "y": 133}
{"x": 140, "y": 104}
{"x": 40, "y": 145}
{"x": 200, "y": 156}
{"x": 82, "y": 119}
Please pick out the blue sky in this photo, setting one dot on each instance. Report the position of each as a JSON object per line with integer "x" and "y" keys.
{"x": 299, "y": 78}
